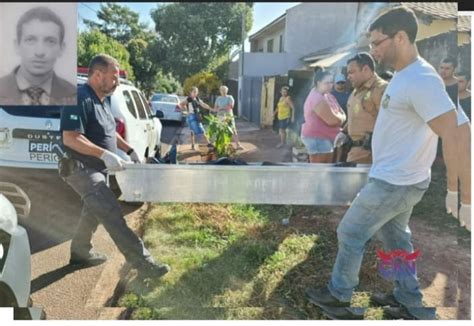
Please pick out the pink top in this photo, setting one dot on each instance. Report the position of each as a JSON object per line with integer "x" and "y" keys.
{"x": 314, "y": 126}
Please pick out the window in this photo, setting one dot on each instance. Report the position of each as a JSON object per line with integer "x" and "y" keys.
{"x": 281, "y": 43}
{"x": 130, "y": 105}
{"x": 164, "y": 98}
{"x": 270, "y": 45}
{"x": 147, "y": 106}
{"x": 53, "y": 112}
{"x": 138, "y": 102}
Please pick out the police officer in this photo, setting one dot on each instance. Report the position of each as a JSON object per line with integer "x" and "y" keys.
{"x": 91, "y": 142}
{"x": 362, "y": 107}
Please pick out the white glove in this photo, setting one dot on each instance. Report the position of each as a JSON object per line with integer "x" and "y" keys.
{"x": 452, "y": 203}
{"x": 134, "y": 157}
{"x": 341, "y": 138}
{"x": 112, "y": 161}
{"x": 465, "y": 216}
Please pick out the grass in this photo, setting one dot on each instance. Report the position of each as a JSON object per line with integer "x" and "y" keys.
{"x": 241, "y": 262}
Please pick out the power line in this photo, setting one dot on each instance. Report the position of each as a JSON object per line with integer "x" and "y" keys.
{"x": 82, "y": 3}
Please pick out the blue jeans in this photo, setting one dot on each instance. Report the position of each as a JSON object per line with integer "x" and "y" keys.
{"x": 317, "y": 145}
{"x": 384, "y": 210}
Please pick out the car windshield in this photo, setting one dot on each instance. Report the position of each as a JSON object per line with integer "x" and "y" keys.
{"x": 164, "y": 98}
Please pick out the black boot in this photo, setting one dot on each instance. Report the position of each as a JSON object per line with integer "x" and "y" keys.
{"x": 91, "y": 259}
{"x": 322, "y": 296}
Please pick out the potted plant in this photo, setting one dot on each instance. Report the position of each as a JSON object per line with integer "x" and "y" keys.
{"x": 220, "y": 132}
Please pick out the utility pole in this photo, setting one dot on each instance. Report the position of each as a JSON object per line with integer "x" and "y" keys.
{"x": 241, "y": 79}
{"x": 243, "y": 44}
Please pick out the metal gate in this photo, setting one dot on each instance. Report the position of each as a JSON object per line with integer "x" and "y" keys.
{"x": 250, "y": 98}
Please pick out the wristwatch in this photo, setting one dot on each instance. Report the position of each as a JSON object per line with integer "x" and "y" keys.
{"x": 130, "y": 151}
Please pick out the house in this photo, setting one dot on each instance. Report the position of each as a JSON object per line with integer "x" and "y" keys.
{"x": 464, "y": 42}
{"x": 327, "y": 34}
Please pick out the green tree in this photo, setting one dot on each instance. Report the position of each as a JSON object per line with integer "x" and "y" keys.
{"x": 192, "y": 35}
{"x": 207, "y": 82}
{"x": 166, "y": 83}
{"x": 93, "y": 42}
{"x": 119, "y": 22}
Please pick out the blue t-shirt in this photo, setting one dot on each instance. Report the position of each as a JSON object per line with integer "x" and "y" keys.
{"x": 342, "y": 98}
{"x": 223, "y": 101}
{"x": 94, "y": 120}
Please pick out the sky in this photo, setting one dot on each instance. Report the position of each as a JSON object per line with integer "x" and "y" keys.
{"x": 263, "y": 13}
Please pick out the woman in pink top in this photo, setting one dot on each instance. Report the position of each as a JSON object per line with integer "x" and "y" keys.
{"x": 323, "y": 119}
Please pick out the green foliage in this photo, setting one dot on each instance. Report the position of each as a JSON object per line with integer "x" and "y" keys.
{"x": 166, "y": 83}
{"x": 194, "y": 34}
{"x": 220, "y": 133}
{"x": 118, "y": 22}
{"x": 92, "y": 43}
{"x": 206, "y": 81}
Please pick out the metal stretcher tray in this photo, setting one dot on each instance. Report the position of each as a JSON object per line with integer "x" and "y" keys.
{"x": 289, "y": 184}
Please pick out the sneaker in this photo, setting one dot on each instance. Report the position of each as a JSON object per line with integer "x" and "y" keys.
{"x": 395, "y": 310}
{"x": 383, "y": 299}
{"x": 153, "y": 270}
{"x": 92, "y": 259}
{"x": 322, "y": 296}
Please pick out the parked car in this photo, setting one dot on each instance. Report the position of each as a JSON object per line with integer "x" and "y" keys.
{"x": 15, "y": 255}
{"x": 169, "y": 105}
{"x": 30, "y": 143}
{"x": 30, "y": 138}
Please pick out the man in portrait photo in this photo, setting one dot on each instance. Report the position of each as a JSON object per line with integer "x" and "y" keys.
{"x": 39, "y": 43}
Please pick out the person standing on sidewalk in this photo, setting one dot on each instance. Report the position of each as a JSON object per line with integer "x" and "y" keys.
{"x": 404, "y": 148}
{"x": 323, "y": 119}
{"x": 339, "y": 91}
{"x": 91, "y": 141}
{"x": 362, "y": 107}
{"x": 224, "y": 106}
{"x": 193, "y": 104}
{"x": 464, "y": 94}
{"x": 285, "y": 113}
{"x": 446, "y": 71}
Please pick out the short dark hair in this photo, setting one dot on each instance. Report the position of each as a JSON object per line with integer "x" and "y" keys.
{"x": 43, "y": 14}
{"x": 397, "y": 19}
{"x": 464, "y": 73}
{"x": 101, "y": 62}
{"x": 451, "y": 60}
{"x": 386, "y": 75}
{"x": 362, "y": 59}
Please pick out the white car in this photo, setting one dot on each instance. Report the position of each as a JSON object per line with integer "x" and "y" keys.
{"x": 15, "y": 255}
{"x": 136, "y": 122}
{"x": 169, "y": 105}
{"x": 30, "y": 138}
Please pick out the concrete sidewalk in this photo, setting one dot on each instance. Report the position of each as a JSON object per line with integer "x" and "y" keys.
{"x": 259, "y": 144}
{"x": 68, "y": 293}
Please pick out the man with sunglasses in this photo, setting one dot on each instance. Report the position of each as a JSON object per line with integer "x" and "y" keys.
{"x": 415, "y": 111}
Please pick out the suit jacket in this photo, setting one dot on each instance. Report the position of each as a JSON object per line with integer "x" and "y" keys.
{"x": 62, "y": 92}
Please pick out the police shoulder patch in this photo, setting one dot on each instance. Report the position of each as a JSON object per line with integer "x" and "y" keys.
{"x": 386, "y": 101}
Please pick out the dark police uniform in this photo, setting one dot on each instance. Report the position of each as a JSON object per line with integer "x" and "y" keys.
{"x": 86, "y": 175}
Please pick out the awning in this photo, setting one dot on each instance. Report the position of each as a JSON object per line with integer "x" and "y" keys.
{"x": 331, "y": 59}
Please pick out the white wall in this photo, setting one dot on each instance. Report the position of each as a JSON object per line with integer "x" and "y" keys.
{"x": 262, "y": 43}
{"x": 311, "y": 27}
{"x": 268, "y": 64}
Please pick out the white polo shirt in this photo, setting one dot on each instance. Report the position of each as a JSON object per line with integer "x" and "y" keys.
{"x": 403, "y": 144}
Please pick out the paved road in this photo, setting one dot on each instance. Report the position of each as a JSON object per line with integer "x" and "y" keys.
{"x": 172, "y": 132}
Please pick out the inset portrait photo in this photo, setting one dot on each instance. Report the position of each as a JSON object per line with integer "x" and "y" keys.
{"x": 38, "y": 60}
